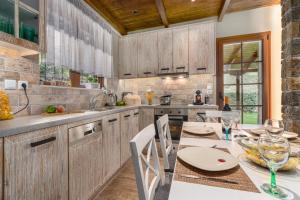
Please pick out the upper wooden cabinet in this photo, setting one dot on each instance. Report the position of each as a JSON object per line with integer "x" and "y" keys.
{"x": 180, "y": 49}
{"x": 36, "y": 165}
{"x": 147, "y": 54}
{"x": 165, "y": 51}
{"x": 128, "y": 57}
{"x": 202, "y": 48}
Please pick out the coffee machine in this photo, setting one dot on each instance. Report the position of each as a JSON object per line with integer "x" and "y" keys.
{"x": 198, "y": 98}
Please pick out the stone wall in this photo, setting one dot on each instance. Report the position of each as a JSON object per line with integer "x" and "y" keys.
{"x": 19, "y": 68}
{"x": 291, "y": 64}
{"x": 183, "y": 90}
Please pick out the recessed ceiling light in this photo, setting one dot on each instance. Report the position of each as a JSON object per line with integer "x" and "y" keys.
{"x": 193, "y": 0}
{"x": 135, "y": 12}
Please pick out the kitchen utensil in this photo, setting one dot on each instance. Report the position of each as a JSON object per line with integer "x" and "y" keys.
{"x": 208, "y": 178}
{"x": 209, "y": 159}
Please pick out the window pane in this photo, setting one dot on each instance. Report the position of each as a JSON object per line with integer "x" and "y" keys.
{"x": 252, "y": 72}
{"x": 232, "y": 73}
{"x": 7, "y": 16}
{"x": 252, "y": 95}
{"x": 32, "y": 3}
{"x": 29, "y": 25}
{"x": 252, "y": 51}
{"x": 252, "y": 115}
{"x": 232, "y": 53}
{"x": 233, "y": 94}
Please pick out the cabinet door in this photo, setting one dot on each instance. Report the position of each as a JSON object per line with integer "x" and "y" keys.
{"x": 36, "y": 165}
{"x": 85, "y": 163}
{"x": 128, "y": 57}
{"x": 135, "y": 122}
{"x": 165, "y": 51}
{"x": 147, "y": 54}
{"x": 202, "y": 48}
{"x": 146, "y": 117}
{"x": 180, "y": 49}
{"x": 126, "y": 135}
{"x": 111, "y": 145}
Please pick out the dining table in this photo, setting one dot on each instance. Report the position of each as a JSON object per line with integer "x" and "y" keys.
{"x": 241, "y": 184}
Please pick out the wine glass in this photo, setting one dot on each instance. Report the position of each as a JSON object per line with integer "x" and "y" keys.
{"x": 275, "y": 151}
{"x": 227, "y": 123}
{"x": 274, "y": 127}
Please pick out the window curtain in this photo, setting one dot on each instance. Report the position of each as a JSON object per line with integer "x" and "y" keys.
{"x": 76, "y": 39}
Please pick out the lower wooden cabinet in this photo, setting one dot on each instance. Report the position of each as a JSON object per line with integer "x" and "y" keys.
{"x": 126, "y": 135}
{"x": 36, "y": 165}
{"x": 85, "y": 161}
{"x": 111, "y": 145}
{"x": 146, "y": 117}
{"x": 135, "y": 122}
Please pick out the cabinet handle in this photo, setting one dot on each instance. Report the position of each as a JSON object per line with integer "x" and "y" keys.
{"x": 127, "y": 74}
{"x": 135, "y": 113}
{"x": 201, "y": 68}
{"x": 89, "y": 132}
{"x": 147, "y": 73}
{"x": 183, "y": 67}
{"x": 112, "y": 120}
{"x": 165, "y": 69}
{"x": 38, "y": 143}
{"x": 127, "y": 116}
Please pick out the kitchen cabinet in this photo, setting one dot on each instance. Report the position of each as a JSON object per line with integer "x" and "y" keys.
{"x": 1, "y": 169}
{"x": 128, "y": 53}
{"x": 36, "y": 165}
{"x": 202, "y": 48}
{"x": 135, "y": 122}
{"x": 147, "y": 54}
{"x": 146, "y": 117}
{"x": 126, "y": 135}
{"x": 180, "y": 49}
{"x": 85, "y": 160}
{"x": 165, "y": 51}
{"x": 111, "y": 145}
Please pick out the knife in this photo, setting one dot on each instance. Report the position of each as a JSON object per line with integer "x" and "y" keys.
{"x": 208, "y": 178}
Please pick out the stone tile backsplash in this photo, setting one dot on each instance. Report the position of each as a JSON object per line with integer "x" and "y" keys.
{"x": 40, "y": 96}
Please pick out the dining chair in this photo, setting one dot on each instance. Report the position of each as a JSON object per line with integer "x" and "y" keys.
{"x": 213, "y": 116}
{"x": 165, "y": 141}
{"x": 144, "y": 169}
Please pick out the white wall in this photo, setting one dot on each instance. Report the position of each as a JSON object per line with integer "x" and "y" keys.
{"x": 254, "y": 21}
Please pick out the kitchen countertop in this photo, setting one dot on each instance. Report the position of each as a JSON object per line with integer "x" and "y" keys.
{"x": 35, "y": 122}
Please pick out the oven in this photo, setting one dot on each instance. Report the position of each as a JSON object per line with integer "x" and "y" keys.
{"x": 176, "y": 118}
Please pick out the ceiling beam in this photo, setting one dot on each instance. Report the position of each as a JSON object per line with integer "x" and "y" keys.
{"x": 224, "y": 10}
{"x": 99, "y": 8}
{"x": 162, "y": 12}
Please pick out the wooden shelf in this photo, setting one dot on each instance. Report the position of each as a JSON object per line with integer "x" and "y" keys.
{"x": 17, "y": 45}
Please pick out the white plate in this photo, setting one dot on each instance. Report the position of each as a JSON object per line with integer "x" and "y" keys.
{"x": 199, "y": 130}
{"x": 207, "y": 159}
{"x": 289, "y": 135}
{"x": 258, "y": 131}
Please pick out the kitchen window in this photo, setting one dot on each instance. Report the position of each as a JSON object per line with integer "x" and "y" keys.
{"x": 243, "y": 75}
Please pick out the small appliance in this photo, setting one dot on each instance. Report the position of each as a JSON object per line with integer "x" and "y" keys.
{"x": 165, "y": 100}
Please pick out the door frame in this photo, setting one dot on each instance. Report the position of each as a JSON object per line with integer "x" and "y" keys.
{"x": 266, "y": 38}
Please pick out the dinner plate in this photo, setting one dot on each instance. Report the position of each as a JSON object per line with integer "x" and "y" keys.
{"x": 208, "y": 159}
{"x": 199, "y": 130}
{"x": 258, "y": 131}
{"x": 289, "y": 135}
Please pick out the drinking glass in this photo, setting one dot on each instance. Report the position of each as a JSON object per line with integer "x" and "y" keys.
{"x": 227, "y": 123}
{"x": 275, "y": 151}
{"x": 274, "y": 127}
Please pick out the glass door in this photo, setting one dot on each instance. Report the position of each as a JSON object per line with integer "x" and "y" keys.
{"x": 242, "y": 72}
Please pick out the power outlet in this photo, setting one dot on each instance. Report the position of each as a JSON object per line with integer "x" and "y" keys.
{"x": 10, "y": 84}
{"x": 20, "y": 84}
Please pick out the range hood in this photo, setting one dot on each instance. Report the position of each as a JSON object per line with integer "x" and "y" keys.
{"x": 174, "y": 75}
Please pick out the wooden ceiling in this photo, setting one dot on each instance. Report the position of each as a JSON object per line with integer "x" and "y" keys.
{"x": 132, "y": 15}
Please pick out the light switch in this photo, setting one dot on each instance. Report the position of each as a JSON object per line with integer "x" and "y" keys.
{"x": 10, "y": 84}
